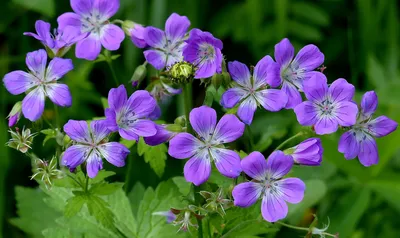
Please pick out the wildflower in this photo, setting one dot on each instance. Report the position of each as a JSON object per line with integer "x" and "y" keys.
{"x": 251, "y": 91}
{"x": 308, "y": 152}
{"x": 268, "y": 184}
{"x": 21, "y": 140}
{"x": 327, "y": 108}
{"x": 293, "y": 72}
{"x": 169, "y": 215}
{"x": 209, "y": 146}
{"x": 59, "y": 43}
{"x": 39, "y": 83}
{"x": 15, "y": 114}
{"x": 203, "y": 50}
{"x": 91, "y": 17}
{"x": 359, "y": 140}
{"x": 138, "y": 76}
{"x": 166, "y": 46}
{"x": 162, "y": 135}
{"x": 136, "y": 32}
{"x": 47, "y": 171}
{"x": 129, "y": 116}
{"x": 91, "y": 146}
{"x": 181, "y": 72}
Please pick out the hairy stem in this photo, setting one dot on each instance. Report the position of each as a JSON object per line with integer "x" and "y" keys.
{"x": 187, "y": 95}
{"x": 289, "y": 139}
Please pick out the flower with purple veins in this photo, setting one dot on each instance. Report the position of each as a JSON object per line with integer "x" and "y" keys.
{"x": 91, "y": 146}
{"x": 60, "y": 42}
{"x": 92, "y": 17}
{"x": 39, "y": 83}
{"x": 251, "y": 91}
{"x": 308, "y": 152}
{"x": 327, "y": 108}
{"x": 129, "y": 116}
{"x": 293, "y": 72}
{"x": 208, "y": 146}
{"x": 359, "y": 140}
{"x": 267, "y": 183}
{"x": 166, "y": 46}
{"x": 162, "y": 135}
{"x": 203, "y": 50}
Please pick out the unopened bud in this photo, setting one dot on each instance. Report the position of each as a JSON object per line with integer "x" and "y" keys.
{"x": 182, "y": 72}
{"x": 180, "y": 121}
{"x": 226, "y": 79}
{"x": 139, "y": 74}
{"x": 15, "y": 114}
{"x": 136, "y": 32}
{"x": 174, "y": 128}
{"x": 217, "y": 80}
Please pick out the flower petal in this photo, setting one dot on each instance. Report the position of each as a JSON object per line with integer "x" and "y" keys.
{"x": 246, "y": 110}
{"x": 273, "y": 208}
{"x": 115, "y": 153}
{"x": 227, "y": 162}
{"x": 77, "y": 131}
{"x": 341, "y": 90}
{"x": 246, "y": 194}
{"x": 75, "y": 155}
{"x": 33, "y": 104}
{"x": 59, "y": 94}
{"x": 294, "y": 97}
{"x": 240, "y": 73}
{"x": 36, "y": 62}
{"x": 228, "y": 129}
{"x": 346, "y": 113}
{"x": 326, "y": 125}
{"x": 368, "y": 152}
{"x": 155, "y": 37}
{"x": 57, "y": 68}
{"x": 144, "y": 128}
{"x": 106, "y": 8}
{"x": 308, "y": 152}
{"x": 183, "y": 145}
{"x": 348, "y": 145}
{"x": 316, "y": 87}
{"x": 117, "y": 97}
{"x": 111, "y": 120}
{"x": 309, "y": 58}
{"x": 272, "y": 99}
{"x": 278, "y": 164}
{"x": 206, "y": 68}
{"x": 306, "y": 113}
{"x": 99, "y": 130}
{"x": 137, "y": 36}
{"x": 128, "y": 134}
{"x": 197, "y": 170}
{"x": 88, "y": 48}
{"x": 261, "y": 71}
{"x": 141, "y": 103}
{"x": 203, "y": 120}
{"x": 176, "y": 27}
{"x": 156, "y": 58}
{"x": 43, "y": 33}
{"x": 82, "y": 7}
{"x": 162, "y": 136}
{"x": 69, "y": 19}
{"x": 292, "y": 189}
{"x": 284, "y": 52}
{"x": 369, "y": 103}
{"x": 232, "y": 96}
{"x": 94, "y": 163}
{"x": 17, "y": 82}
{"x": 382, "y": 126}
{"x": 111, "y": 36}
{"x": 255, "y": 165}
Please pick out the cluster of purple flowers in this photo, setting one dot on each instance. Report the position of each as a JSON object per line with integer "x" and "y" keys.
{"x": 273, "y": 84}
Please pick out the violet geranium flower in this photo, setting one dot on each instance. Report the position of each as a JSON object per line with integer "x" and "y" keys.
{"x": 166, "y": 46}
{"x": 203, "y": 50}
{"x": 163, "y": 135}
{"x": 129, "y": 116}
{"x": 293, "y": 72}
{"x": 268, "y": 184}
{"x": 137, "y": 35}
{"x": 327, "y": 108}
{"x": 91, "y": 146}
{"x": 39, "y": 83}
{"x": 251, "y": 91}
{"x": 359, "y": 140}
{"x": 60, "y": 42}
{"x": 308, "y": 152}
{"x": 208, "y": 146}
{"x": 91, "y": 17}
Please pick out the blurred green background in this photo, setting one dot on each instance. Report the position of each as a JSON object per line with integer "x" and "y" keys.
{"x": 358, "y": 37}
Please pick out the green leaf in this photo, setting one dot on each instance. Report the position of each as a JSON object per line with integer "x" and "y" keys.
{"x": 50, "y": 134}
{"x": 388, "y": 189}
{"x": 142, "y": 147}
{"x": 104, "y": 102}
{"x": 156, "y": 156}
{"x": 103, "y": 174}
{"x": 105, "y": 188}
{"x": 182, "y": 184}
{"x": 124, "y": 219}
{"x": 45, "y": 7}
{"x": 136, "y": 196}
{"x": 74, "y": 205}
{"x": 127, "y": 143}
{"x": 100, "y": 210}
{"x": 303, "y": 10}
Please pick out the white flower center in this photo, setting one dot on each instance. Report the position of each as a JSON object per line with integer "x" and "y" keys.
{"x": 92, "y": 23}
{"x": 126, "y": 118}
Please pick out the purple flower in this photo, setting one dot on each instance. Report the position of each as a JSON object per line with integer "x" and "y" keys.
{"x": 293, "y": 72}
{"x": 137, "y": 33}
{"x": 15, "y": 114}
{"x": 327, "y": 108}
{"x": 203, "y": 50}
{"x": 162, "y": 135}
{"x": 169, "y": 215}
{"x": 60, "y": 42}
{"x": 129, "y": 116}
{"x": 91, "y": 146}
{"x": 251, "y": 91}
{"x": 91, "y": 17}
{"x": 359, "y": 140}
{"x": 39, "y": 83}
{"x": 166, "y": 46}
{"x": 268, "y": 184}
{"x": 208, "y": 146}
{"x": 308, "y": 152}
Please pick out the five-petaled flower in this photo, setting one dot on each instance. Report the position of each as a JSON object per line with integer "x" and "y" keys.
{"x": 130, "y": 116}
{"x": 91, "y": 17}
{"x": 203, "y": 50}
{"x": 39, "y": 83}
{"x": 327, "y": 108}
{"x": 208, "y": 146}
{"x": 251, "y": 91}
{"x": 308, "y": 152}
{"x": 91, "y": 146}
{"x": 267, "y": 183}
{"x": 293, "y": 72}
{"x": 166, "y": 46}
{"x": 359, "y": 140}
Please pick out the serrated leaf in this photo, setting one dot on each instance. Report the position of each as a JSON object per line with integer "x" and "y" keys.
{"x": 100, "y": 210}
{"x": 74, "y": 205}
{"x": 135, "y": 197}
{"x": 105, "y": 188}
{"x": 101, "y": 176}
{"x": 156, "y": 156}
{"x": 127, "y": 143}
{"x": 182, "y": 184}
{"x": 124, "y": 219}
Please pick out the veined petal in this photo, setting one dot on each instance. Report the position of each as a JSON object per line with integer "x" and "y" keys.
{"x": 94, "y": 163}
{"x": 240, "y": 73}
{"x": 88, "y": 48}
{"x": 232, "y": 96}
{"x": 75, "y": 155}
{"x": 368, "y": 152}
{"x": 272, "y": 99}
{"x": 316, "y": 87}
{"x": 141, "y": 103}
{"x": 111, "y": 36}
{"x": 306, "y": 113}
{"x": 291, "y": 189}
{"x": 341, "y": 90}
{"x": 156, "y": 58}
{"x": 369, "y": 103}
{"x": 155, "y": 37}
{"x": 261, "y": 71}
{"x": 273, "y": 208}
{"x": 33, "y": 104}
{"x": 43, "y": 33}
{"x": 115, "y": 153}
{"x": 78, "y": 131}
{"x": 246, "y": 110}
{"x": 111, "y": 120}
{"x": 227, "y": 162}
{"x": 57, "y": 68}
{"x": 176, "y": 27}
{"x": 278, "y": 164}
{"x": 326, "y": 125}
{"x": 106, "y": 8}
{"x": 144, "y": 128}
{"x": 59, "y": 94}
{"x": 206, "y": 68}
{"x": 117, "y": 98}
{"x": 346, "y": 113}
{"x": 294, "y": 97}
{"x": 348, "y": 145}
{"x": 128, "y": 134}
{"x": 17, "y": 82}
{"x": 203, "y": 120}
{"x": 309, "y": 58}
{"x": 308, "y": 152}
{"x": 228, "y": 129}
{"x": 198, "y": 169}
{"x": 82, "y": 7}
{"x": 255, "y": 165}
{"x": 284, "y": 52}
{"x": 382, "y": 126}
{"x": 36, "y": 62}
{"x": 69, "y": 19}
{"x": 183, "y": 145}
{"x": 246, "y": 194}
{"x": 99, "y": 130}
{"x": 162, "y": 136}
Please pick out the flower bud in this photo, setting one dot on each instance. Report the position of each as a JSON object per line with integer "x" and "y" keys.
{"x": 226, "y": 79}
{"x": 308, "y": 152}
{"x": 216, "y": 202}
{"x": 15, "y": 114}
{"x": 47, "y": 171}
{"x": 180, "y": 121}
{"x": 21, "y": 141}
{"x": 169, "y": 215}
{"x": 182, "y": 72}
{"x": 139, "y": 74}
{"x": 216, "y": 80}
{"x": 136, "y": 32}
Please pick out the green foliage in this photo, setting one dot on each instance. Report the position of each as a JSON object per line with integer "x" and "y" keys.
{"x": 45, "y": 7}
{"x": 156, "y": 156}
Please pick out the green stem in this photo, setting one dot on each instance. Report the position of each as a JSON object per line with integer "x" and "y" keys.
{"x": 76, "y": 181}
{"x": 200, "y": 230}
{"x": 109, "y": 62}
{"x": 87, "y": 183}
{"x": 293, "y": 227}
{"x": 118, "y": 21}
{"x": 56, "y": 115}
{"x": 129, "y": 173}
{"x": 289, "y": 139}
{"x": 187, "y": 96}
{"x": 250, "y": 133}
